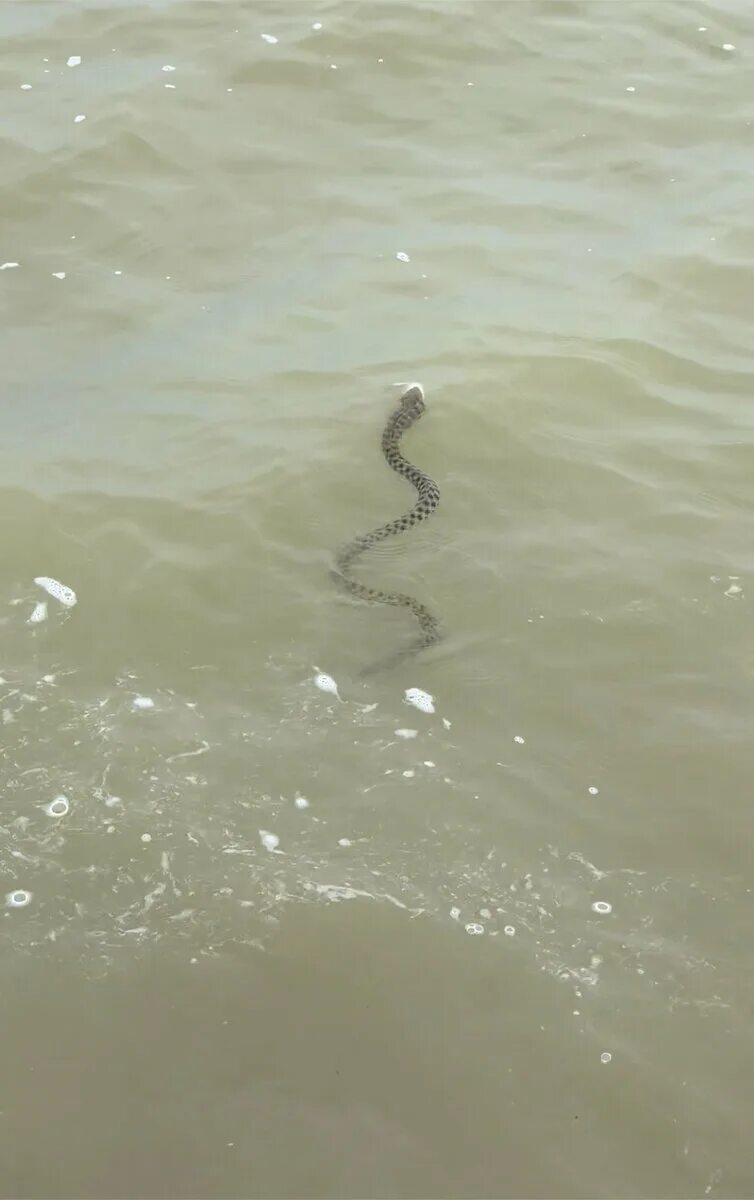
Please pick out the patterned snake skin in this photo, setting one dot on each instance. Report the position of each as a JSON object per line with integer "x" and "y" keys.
{"x": 410, "y": 408}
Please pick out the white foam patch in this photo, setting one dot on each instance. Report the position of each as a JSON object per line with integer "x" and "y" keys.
{"x": 420, "y": 699}
{"x": 270, "y": 841}
{"x": 58, "y": 274}
{"x": 407, "y": 733}
{"x": 301, "y": 802}
{"x": 39, "y": 613}
{"x": 602, "y": 906}
{"x": 8, "y": 266}
{"x": 168, "y": 67}
{"x": 269, "y": 38}
{"x": 18, "y": 898}
{"x": 326, "y": 683}
{"x": 74, "y": 60}
{"x": 402, "y": 256}
{"x": 79, "y": 118}
{"x": 58, "y": 807}
{"x": 25, "y": 87}
{"x": 474, "y": 928}
{"x": 142, "y": 702}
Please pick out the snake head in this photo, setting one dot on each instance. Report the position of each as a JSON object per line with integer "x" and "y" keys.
{"x": 410, "y": 406}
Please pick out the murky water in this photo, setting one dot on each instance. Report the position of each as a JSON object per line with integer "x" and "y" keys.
{"x": 263, "y": 940}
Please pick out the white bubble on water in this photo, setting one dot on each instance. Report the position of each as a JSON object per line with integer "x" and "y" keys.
{"x": 420, "y": 699}
{"x": 78, "y": 118}
{"x": 270, "y": 841}
{"x": 485, "y": 913}
{"x": 171, "y": 86}
{"x": 455, "y": 913}
{"x": 326, "y": 683}
{"x": 25, "y": 87}
{"x": 734, "y": 590}
{"x": 728, "y": 46}
{"x": 269, "y": 38}
{"x": 8, "y": 266}
{"x": 18, "y": 898}
{"x": 146, "y": 837}
{"x": 602, "y": 906}
{"x": 446, "y": 722}
{"x": 58, "y": 807}
{"x": 39, "y": 613}
{"x": 409, "y": 774}
{"x": 168, "y": 67}
{"x": 58, "y": 274}
{"x": 317, "y": 25}
{"x": 73, "y": 60}
{"x": 428, "y": 762}
{"x": 509, "y": 930}
{"x": 594, "y": 791}
{"x": 407, "y": 733}
{"x": 402, "y": 256}
{"x": 301, "y": 802}
{"x": 474, "y": 928}
{"x": 605, "y": 1056}
{"x": 519, "y": 739}
{"x": 54, "y": 587}
{"x": 344, "y": 841}
{"x": 142, "y": 702}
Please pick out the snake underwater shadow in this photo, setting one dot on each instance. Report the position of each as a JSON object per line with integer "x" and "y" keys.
{"x": 410, "y": 408}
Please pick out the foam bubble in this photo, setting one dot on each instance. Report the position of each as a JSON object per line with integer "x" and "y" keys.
{"x": 8, "y": 266}
{"x": 605, "y": 1056}
{"x": 39, "y": 613}
{"x": 420, "y": 699}
{"x": 58, "y": 274}
{"x": 142, "y": 702}
{"x": 402, "y": 256}
{"x": 58, "y": 807}
{"x": 407, "y": 733}
{"x": 57, "y": 590}
{"x": 270, "y": 38}
{"x": 79, "y": 118}
{"x": 74, "y": 60}
{"x": 326, "y": 683}
{"x": 168, "y": 67}
{"x": 17, "y": 898}
{"x": 519, "y": 739}
{"x": 594, "y": 791}
{"x": 474, "y": 928}
{"x": 602, "y": 906}
{"x": 301, "y": 802}
{"x": 270, "y": 841}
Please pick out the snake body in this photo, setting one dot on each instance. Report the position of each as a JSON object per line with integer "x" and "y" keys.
{"x": 410, "y": 408}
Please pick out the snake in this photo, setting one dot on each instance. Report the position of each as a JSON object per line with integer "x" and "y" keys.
{"x": 410, "y": 408}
